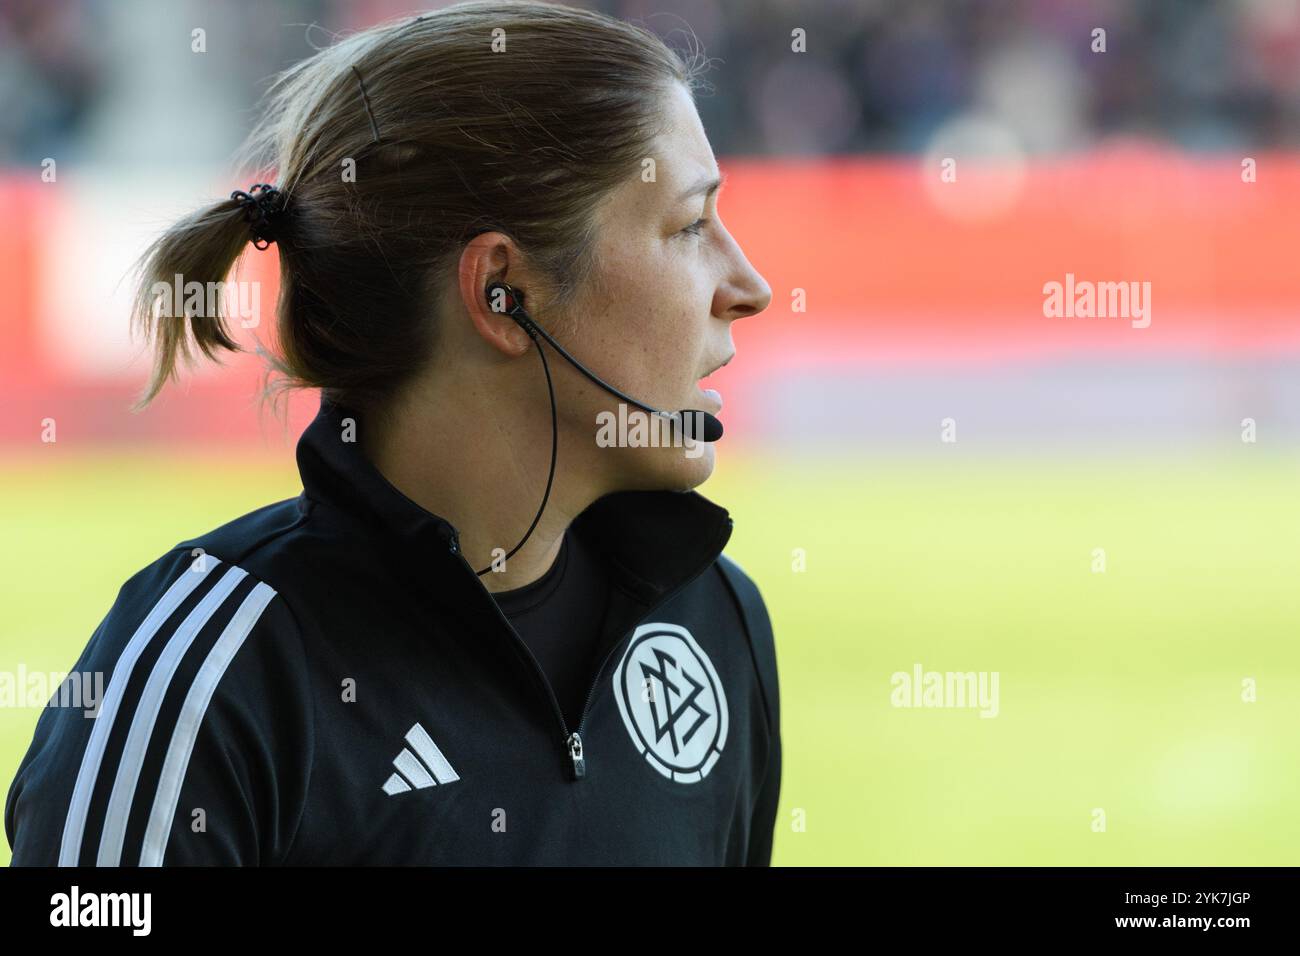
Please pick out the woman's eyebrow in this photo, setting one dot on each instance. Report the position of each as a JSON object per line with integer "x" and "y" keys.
{"x": 706, "y": 186}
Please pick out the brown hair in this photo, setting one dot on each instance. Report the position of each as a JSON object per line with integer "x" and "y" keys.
{"x": 526, "y": 141}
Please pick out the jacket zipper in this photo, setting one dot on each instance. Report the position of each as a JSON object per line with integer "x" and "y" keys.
{"x": 571, "y": 741}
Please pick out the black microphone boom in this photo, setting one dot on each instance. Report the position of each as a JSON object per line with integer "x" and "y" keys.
{"x": 695, "y": 424}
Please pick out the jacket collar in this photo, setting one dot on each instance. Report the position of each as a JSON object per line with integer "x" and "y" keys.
{"x": 655, "y": 541}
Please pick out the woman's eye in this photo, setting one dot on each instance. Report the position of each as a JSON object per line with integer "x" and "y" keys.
{"x": 695, "y": 227}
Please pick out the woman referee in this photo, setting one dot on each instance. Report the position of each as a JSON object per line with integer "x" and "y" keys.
{"x": 497, "y": 627}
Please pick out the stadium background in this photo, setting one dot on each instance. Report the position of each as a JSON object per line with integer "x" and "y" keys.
{"x": 1119, "y": 690}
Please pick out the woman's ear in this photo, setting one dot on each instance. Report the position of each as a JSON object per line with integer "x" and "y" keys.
{"x": 489, "y": 257}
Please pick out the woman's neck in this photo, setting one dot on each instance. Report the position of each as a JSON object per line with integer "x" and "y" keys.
{"x": 487, "y": 481}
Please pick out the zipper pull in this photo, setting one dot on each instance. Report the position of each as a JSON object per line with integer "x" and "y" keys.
{"x": 575, "y": 754}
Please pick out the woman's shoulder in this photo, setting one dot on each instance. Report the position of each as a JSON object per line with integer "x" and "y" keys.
{"x": 250, "y": 558}
{"x": 746, "y": 592}
{"x": 758, "y": 626}
{"x": 212, "y": 621}
{"x": 257, "y": 531}
{"x": 238, "y": 578}
{"x": 215, "y": 612}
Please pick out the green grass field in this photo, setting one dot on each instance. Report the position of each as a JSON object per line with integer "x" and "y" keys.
{"x": 1119, "y": 690}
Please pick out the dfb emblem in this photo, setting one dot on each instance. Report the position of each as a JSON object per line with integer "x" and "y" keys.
{"x": 671, "y": 701}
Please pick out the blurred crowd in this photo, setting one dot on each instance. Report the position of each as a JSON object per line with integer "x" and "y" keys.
{"x": 97, "y": 77}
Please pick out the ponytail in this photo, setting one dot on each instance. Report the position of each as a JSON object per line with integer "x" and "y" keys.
{"x": 203, "y": 248}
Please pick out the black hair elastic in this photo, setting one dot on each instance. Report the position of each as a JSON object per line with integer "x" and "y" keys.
{"x": 262, "y": 205}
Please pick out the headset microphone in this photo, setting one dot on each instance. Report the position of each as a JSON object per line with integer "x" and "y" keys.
{"x": 694, "y": 424}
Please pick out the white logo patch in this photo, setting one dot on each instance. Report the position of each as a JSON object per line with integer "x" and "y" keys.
{"x": 428, "y": 769}
{"x": 672, "y": 701}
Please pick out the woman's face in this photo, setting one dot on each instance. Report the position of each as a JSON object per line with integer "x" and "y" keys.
{"x": 657, "y": 316}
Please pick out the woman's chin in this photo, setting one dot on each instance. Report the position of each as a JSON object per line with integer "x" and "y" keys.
{"x": 669, "y": 468}
{"x": 684, "y": 468}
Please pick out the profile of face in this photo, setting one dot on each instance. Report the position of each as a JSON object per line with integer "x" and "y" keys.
{"x": 653, "y": 318}
{"x": 656, "y": 317}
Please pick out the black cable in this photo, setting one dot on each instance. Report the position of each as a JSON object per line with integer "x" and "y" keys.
{"x": 555, "y": 435}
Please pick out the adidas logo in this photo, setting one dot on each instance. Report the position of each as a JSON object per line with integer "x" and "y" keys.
{"x": 411, "y": 773}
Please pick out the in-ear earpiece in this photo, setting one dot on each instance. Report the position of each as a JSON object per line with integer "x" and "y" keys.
{"x": 507, "y": 297}
{"x": 511, "y": 302}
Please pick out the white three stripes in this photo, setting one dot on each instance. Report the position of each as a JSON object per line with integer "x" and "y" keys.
{"x": 146, "y": 713}
{"x": 75, "y": 826}
{"x": 183, "y": 736}
{"x": 187, "y": 726}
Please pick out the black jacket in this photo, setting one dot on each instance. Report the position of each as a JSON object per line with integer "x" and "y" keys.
{"x": 325, "y": 680}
